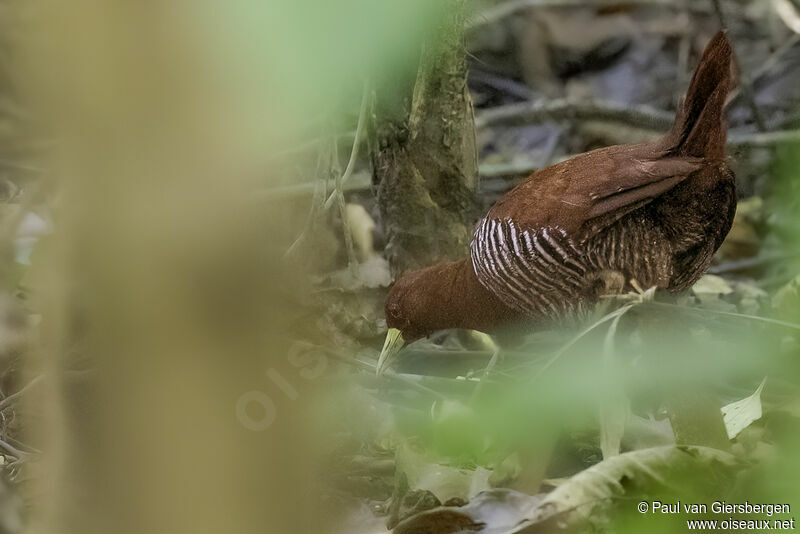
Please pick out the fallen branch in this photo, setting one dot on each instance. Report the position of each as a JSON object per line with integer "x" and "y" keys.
{"x": 735, "y": 141}
{"x": 492, "y": 170}
{"x": 763, "y": 139}
{"x": 560, "y": 109}
{"x": 506, "y": 9}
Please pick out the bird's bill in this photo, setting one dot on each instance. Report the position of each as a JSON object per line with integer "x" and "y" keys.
{"x": 391, "y": 347}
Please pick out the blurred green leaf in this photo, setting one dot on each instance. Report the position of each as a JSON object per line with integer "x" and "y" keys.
{"x": 787, "y": 297}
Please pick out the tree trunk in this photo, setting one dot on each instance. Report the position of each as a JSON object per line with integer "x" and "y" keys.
{"x": 425, "y": 158}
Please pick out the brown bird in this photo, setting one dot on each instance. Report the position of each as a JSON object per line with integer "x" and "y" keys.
{"x": 616, "y": 218}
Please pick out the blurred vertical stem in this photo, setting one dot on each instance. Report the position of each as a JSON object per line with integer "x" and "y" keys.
{"x": 614, "y": 405}
{"x": 338, "y": 195}
{"x": 341, "y": 178}
{"x": 424, "y": 157}
{"x": 317, "y": 202}
{"x": 331, "y": 152}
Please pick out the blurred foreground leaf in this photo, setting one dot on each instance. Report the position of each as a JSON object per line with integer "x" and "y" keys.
{"x": 586, "y": 499}
{"x": 588, "y": 496}
{"x": 494, "y": 511}
{"x": 738, "y": 415}
{"x": 445, "y": 482}
{"x": 711, "y": 284}
{"x": 788, "y": 297}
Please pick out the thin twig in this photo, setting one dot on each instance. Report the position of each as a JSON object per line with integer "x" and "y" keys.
{"x": 338, "y": 194}
{"x": 341, "y": 178}
{"x": 305, "y": 188}
{"x": 305, "y": 146}
{"x": 316, "y": 205}
{"x": 505, "y": 85}
{"x": 13, "y": 450}
{"x": 27, "y": 448}
{"x": 608, "y": 342}
{"x": 8, "y": 401}
{"x": 362, "y": 120}
{"x": 770, "y": 63}
{"x": 486, "y": 372}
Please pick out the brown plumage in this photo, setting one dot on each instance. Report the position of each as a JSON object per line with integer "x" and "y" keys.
{"x": 650, "y": 213}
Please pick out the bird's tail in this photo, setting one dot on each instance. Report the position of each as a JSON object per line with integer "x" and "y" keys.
{"x": 700, "y": 126}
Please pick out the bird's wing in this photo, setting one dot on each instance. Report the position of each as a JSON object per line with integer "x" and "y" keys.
{"x": 631, "y": 184}
{"x": 527, "y": 251}
{"x": 589, "y": 192}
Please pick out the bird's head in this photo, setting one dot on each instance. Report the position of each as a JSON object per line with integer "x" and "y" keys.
{"x": 445, "y": 295}
{"x": 418, "y": 304}
{"x": 406, "y": 315}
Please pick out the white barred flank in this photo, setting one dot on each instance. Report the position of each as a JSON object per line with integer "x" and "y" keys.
{"x": 544, "y": 272}
{"x": 532, "y": 272}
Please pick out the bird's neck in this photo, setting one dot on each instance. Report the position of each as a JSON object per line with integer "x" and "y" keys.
{"x": 456, "y": 299}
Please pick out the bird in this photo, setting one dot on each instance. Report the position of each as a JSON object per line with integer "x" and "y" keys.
{"x": 604, "y": 222}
